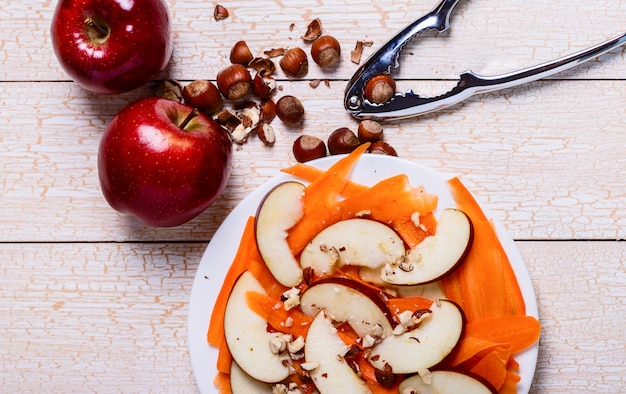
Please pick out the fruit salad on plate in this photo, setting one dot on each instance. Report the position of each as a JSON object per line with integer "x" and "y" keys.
{"x": 341, "y": 286}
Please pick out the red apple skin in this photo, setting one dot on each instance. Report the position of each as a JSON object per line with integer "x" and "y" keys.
{"x": 164, "y": 175}
{"x": 137, "y": 49}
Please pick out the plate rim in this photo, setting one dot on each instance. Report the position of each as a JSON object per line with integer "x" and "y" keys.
{"x": 204, "y": 290}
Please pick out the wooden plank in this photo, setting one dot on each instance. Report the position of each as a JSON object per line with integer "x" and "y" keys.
{"x": 107, "y": 316}
{"x": 542, "y": 156}
{"x": 491, "y": 36}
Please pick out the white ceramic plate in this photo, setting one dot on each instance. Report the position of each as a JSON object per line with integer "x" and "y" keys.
{"x": 369, "y": 170}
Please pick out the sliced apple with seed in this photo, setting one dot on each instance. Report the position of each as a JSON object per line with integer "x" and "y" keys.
{"x": 278, "y": 212}
{"x": 445, "y": 381}
{"x": 437, "y": 255}
{"x": 424, "y": 346}
{"x": 242, "y": 383}
{"x": 324, "y": 353}
{"x": 362, "y": 242}
{"x": 247, "y": 337}
{"x": 349, "y": 301}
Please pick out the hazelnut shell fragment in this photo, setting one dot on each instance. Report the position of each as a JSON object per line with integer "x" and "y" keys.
{"x": 220, "y": 12}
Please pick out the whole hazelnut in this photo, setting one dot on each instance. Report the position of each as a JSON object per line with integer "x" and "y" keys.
{"x": 234, "y": 81}
{"x": 294, "y": 63}
{"x": 326, "y": 51}
{"x": 370, "y": 131}
{"x": 342, "y": 140}
{"x": 289, "y": 109}
{"x": 203, "y": 95}
{"x": 383, "y": 148}
{"x": 308, "y": 147}
{"x": 380, "y": 89}
{"x": 240, "y": 53}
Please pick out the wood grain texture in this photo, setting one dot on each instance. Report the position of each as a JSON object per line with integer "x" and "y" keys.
{"x": 543, "y": 156}
{"x": 93, "y": 301}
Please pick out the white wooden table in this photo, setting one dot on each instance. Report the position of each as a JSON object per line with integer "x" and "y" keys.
{"x": 91, "y": 300}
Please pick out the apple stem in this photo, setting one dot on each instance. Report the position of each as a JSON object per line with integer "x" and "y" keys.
{"x": 190, "y": 116}
{"x": 97, "y": 32}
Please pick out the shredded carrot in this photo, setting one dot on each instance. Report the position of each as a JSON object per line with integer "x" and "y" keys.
{"x": 222, "y": 383}
{"x": 482, "y": 279}
{"x": 468, "y": 348}
{"x": 401, "y": 304}
{"x": 309, "y": 173}
{"x": 520, "y": 332}
{"x": 224, "y": 357}
{"x": 247, "y": 249}
{"x": 320, "y": 199}
{"x": 492, "y": 366}
{"x": 412, "y": 234}
{"x": 292, "y": 322}
{"x": 510, "y": 383}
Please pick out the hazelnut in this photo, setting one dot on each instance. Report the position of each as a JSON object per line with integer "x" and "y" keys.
{"x": 342, "y": 140}
{"x": 240, "y": 53}
{"x": 326, "y": 51}
{"x": 289, "y": 109}
{"x": 294, "y": 63}
{"x": 203, "y": 95}
{"x": 308, "y": 147}
{"x": 370, "y": 131}
{"x": 234, "y": 81}
{"x": 382, "y": 148}
{"x": 380, "y": 89}
{"x": 263, "y": 86}
{"x": 268, "y": 110}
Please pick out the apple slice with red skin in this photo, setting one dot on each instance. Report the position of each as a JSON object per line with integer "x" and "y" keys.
{"x": 422, "y": 347}
{"x": 324, "y": 352}
{"x": 362, "y": 242}
{"x": 349, "y": 301}
{"x": 446, "y": 382}
{"x": 436, "y": 255}
{"x": 278, "y": 212}
{"x": 247, "y": 337}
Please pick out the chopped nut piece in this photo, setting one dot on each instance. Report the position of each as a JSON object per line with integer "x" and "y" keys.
{"x": 368, "y": 341}
{"x": 291, "y": 298}
{"x": 266, "y": 134}
{"x": 386, "y": 378}
{"x": 313, "y": 31}
{"x": 292, "y": 26}
{"x": 296, "y": 345}
{"x": 309, "y": 366}
{"x": 220, "y": 12}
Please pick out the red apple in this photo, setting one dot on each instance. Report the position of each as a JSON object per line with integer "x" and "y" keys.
{"x": 161, "y": 163}
{"x": 112, "y": 46}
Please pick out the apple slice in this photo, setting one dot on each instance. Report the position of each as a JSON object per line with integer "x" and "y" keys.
{"x": 279, "y": 211}
{"x": 425, "y": 346}
{"x": 242, "y": 383}
{"x": 324, "y": 353}
{"x": 247, "y": 337}
{"x": 349, "y": 301}
{"x": 362, "y": 242}
{"x": 445, "y": 381}
{"x": 436, "y": 255}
